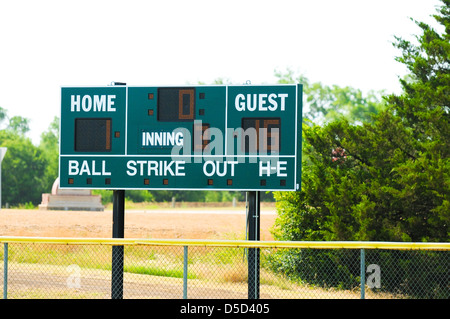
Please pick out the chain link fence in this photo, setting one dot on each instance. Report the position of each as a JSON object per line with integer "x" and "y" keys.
{"x": 70, "y": 268}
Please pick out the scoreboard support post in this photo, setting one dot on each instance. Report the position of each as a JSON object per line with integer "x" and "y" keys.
{"x": 117, "y": 251}
{"x": 253, "y": 253}
{"x": 118, "y": 231}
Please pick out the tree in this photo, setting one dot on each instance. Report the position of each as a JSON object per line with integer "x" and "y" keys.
{"x": 328, "y": 103}
{"x": 49, "y": 146}
{"x": 23, "y": 169}
{"x": 19, "y": 125}
{"x": 3, "y": 114}
{"x": 24, "y": 164}
{"x": 382, "y": 180}
{"x": 388, "y": 178}
{"x": 424, "y": 108}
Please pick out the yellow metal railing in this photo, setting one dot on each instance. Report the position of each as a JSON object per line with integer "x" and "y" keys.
{"x": 232, "y": 243}
{"x": 148, "y": 265}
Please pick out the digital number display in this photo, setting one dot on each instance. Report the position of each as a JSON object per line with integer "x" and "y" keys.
{"x": 176, "y": 104}
{"x": 93, "y": 134}
{"x": 266, "y": 137}
{"x": 201, "y": 136}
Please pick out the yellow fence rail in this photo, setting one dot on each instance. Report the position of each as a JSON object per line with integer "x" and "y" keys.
{"x": 232, "y": 243}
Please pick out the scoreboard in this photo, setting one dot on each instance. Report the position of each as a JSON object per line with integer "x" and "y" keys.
{"x": 225, "y": 137}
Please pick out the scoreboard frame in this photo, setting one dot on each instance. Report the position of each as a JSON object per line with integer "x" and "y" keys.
{"x": 208, "y": 137}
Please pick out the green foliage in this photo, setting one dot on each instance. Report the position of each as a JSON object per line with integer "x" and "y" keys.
{"x": 383, "y": 179}
{"x": 23, "y": 169}
{"x": 28, "y": 205}
{"x": 19, "y": 125}
{"x": 386, "y": 179}
{"x": 327, "y": 103}
{"x": 418, "y": 274}
{"x": 3, "y": 114}
{"x": 414, "y": 273}
{"x": 16, "y": 124}
{"x": 49, "y": 146}
{"x": 195, "y": 196}
{"x": 139, "y": 196}
{"x": 157, "y": 271}
{"x": 322, "y": 268}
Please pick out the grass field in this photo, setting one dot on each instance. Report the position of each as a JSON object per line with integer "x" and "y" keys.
{"x": 43, "y": 271}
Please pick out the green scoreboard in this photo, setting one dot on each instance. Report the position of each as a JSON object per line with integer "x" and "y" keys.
{"x": 228, "y": 137}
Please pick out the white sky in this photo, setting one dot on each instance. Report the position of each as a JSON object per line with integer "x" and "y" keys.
{"x": 47, "y": 44}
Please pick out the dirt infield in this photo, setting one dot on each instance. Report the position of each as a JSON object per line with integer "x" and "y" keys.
{"x": 183, "y": 223}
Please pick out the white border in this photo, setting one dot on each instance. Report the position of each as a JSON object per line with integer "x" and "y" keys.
{"x": 296, "y": 135}
{"x": 126, "y": 121}
{"x": 224, "y": 156}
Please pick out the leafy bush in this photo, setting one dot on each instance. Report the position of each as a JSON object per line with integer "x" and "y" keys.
{"x": 386, "y": 179}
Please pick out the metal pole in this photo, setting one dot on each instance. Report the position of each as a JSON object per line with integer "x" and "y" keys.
{"x": 5, "y": 270}
{"x": 118, "y": 232}
{"x": 2, "y": 154}
{"x": 253, "y": 253}
{"x": 117, "y": 251}
{"x": 363, "y": 273}
{"x": 0, "y": 184}
{"x": 185, "y": 271}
